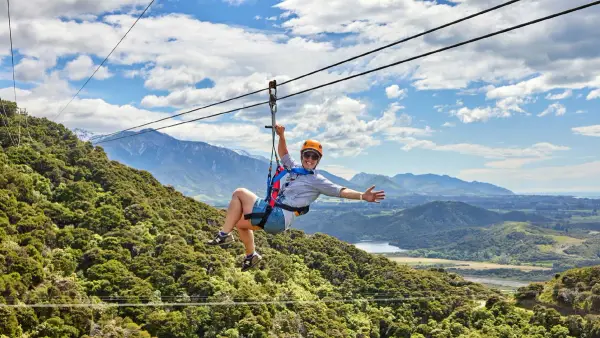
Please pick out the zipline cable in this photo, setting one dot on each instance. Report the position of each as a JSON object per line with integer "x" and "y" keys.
{"x": 383, "y": 295}
{"x": 327, "y": 67}
{"x": 374, "y": 70}
{"x": 446, "y": 48}
{"x": 170, "y": 304}
{"x": 6, "y": 121}
{"x": 106, "y": 58}
{"x": 107, "y": 139}
{"x": 12, "y": 57}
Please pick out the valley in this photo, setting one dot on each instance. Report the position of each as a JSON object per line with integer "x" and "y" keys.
{"x": 79, "y": 228}
{"x": 503, "y": 249}
{"x": 476, "y": 229}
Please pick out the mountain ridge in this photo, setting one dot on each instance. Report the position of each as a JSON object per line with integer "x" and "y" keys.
{"x": 433, "y": 184}
{"x": 210, "y": 173}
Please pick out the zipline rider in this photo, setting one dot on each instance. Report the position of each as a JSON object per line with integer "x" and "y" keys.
{"x": 303, "y": 185}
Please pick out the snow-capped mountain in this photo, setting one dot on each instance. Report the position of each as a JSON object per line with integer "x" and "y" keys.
{"x": 85, "y": 135}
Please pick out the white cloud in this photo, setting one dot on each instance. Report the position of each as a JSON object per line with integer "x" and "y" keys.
{"x": 504, "y": 108}
{"x": 340, "y": 171}
{"x": 566, "y": 94}
{"x": 234, "y": 2}
{"x": 33, "y": 69}
{"x": 468, "y": 115}
{"x": 505, "y": 157}
{"x": 555, "y": 108}
{"x": 399, "y": 133}
{"x": 449, "y": 124}
{"x": 513, "y": 163}
{"x": 550, "y": 178}
{"x": 257, "y": 17}
{"x": 336, "y": 122}
{"x": 594, "y": 94}
{"x": 81, "y": 9}
{"x": 83, "y": 66}
{"x": 588, "y": 130}
{"x": 581, "y": 112}
{"x": 271, "y": 18}
{"x": 174, "y": 59}
{"x": 394, "y": 92}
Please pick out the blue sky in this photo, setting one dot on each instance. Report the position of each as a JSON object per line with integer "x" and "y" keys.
{"x": 519, "y": 110}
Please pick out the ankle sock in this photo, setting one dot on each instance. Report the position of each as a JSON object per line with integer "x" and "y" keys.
{"x": 223, "y": 234}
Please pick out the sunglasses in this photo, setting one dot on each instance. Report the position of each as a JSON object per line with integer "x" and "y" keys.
{"x": 311, "y": 155}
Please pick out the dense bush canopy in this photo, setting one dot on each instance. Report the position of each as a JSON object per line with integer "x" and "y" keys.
{"x": 77, "y": 228}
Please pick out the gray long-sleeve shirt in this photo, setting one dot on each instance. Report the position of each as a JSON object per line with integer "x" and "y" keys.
{"x": 301, "y": 190}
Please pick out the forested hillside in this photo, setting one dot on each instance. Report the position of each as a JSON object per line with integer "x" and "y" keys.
{"x": 575, "y": 289}
{"x": 76, "y": 228}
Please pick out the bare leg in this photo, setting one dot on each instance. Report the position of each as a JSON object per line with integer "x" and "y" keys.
{"x": 241, "y": 203}
{"x": 247, "y": 237}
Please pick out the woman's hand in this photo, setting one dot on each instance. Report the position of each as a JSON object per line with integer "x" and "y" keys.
{"x": 280, "y": 130}
{"x": 373, "y": 196}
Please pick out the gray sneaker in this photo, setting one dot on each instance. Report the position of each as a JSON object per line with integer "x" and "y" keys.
{"x": 250, "y": 262}
{"x": 222, "y": 241}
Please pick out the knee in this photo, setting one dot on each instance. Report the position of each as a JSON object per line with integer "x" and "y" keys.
{"x": 239, "y": 192}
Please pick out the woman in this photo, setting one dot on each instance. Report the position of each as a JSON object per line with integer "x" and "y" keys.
{"x": 299, "y": 190}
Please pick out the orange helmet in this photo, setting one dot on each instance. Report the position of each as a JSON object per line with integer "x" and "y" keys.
{"x": 314, "y": 145}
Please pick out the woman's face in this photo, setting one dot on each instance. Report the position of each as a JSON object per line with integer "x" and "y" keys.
{"x": 310, "y": 159}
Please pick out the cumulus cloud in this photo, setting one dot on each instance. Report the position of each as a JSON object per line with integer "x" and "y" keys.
{"x": 509, "y": 69}
{"x": 594, "y": 94}
{"x": 566, "y": 94}
{"x": 394, "y": 92}
{"x": 340, "y": 171}
{"x": 555, "y": 108}
{"x": 234, "y": 2}
{"x": 81, "y": 9}
{"x": 449, "y": 124}
{"x": 336, "y": 122}
{"x": 588, "y": 130}
{"x": 83, "y": 66}
{"x": 514, "y": 157}
{"x": 551, "y": 178}
{"x": 33, "y": 69}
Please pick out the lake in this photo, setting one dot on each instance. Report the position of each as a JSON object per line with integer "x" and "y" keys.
{"x": 377, "y": 247}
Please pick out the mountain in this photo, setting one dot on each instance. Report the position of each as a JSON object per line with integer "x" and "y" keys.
{"x": 83, "y": 134}
{"x": 365, "y": 180}
{"x": 430, "y": 184}
{"x": 456, "y": 230}
{"x": 77, "y": 228}
{"x": 246, "y": 153}
{"x": 196, "y": 169}
{"x": 204, "y": 171}
{"x": 444, "y": 214}
{"x": 211, "y": 173}
{"x": 402, "y": 226}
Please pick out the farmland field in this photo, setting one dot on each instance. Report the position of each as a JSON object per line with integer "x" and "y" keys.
{"x": 470, "y": 265}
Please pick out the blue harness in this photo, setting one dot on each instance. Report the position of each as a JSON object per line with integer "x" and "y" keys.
{"x": 273, "y": 189}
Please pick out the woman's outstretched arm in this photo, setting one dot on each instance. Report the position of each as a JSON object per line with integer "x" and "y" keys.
{"x": 282, "y": 147}
{"x": 369, "y": 195}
